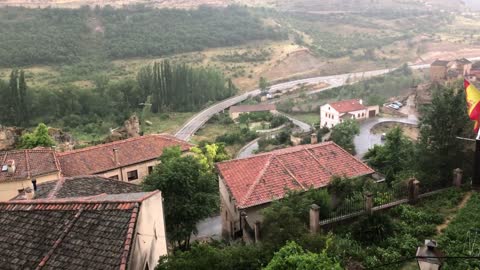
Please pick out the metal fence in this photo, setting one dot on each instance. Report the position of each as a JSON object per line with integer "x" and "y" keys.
{"x": 381, "y": 198}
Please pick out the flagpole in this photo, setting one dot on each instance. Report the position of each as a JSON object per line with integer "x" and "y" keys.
{"x": 476, "y": 163}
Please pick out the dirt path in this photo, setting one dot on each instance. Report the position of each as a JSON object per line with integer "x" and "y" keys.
{"x": 447, "y": 221}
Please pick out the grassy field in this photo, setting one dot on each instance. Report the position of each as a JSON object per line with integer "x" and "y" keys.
{"x": 309, "y": 118}
{"x": 166, "y": 123}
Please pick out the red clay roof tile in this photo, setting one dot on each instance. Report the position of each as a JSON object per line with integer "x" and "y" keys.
{"x": 29, "y": 163}
{"x": 253, "y": 108}
{"x": 349, "y": 105}
{"x": 100, "y": 158}
{"x": 265, "y": 177}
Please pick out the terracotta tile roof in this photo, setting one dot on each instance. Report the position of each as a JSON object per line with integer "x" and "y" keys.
{"x": 29, "y": 163}
{"x": 440, "y": 63}
{"x": 253, "y": 108}
{"x": 73, "y": 234}
{"x": 265, "y": 177}
{"x": 81, "y": 186}
{"x": 349, "y": 105}
{"x": 100, "y": 158}
{"x": 463, "y": 61}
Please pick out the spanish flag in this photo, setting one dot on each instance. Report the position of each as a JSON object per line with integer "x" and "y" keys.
{"x": 473, "y": 102}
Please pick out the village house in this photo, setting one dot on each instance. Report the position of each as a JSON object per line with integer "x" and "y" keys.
{"x": 248, "y": 185}
{"x": 236, "y": 111}
{"x": 127, "y": 160}
{"x": 332, "y": 114}
{"x": 105, "y": 231}
{"x": 19, "y": 167}
{"x": 441, "y": 70}
{"x": 78, "y": 186}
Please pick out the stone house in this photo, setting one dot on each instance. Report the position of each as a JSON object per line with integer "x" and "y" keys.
{"x": 441, "y": 70}
{"x": 236, "y": 111}
{"x": 334, "y": 113}
{"x": 248, "y": 185}
{"x": 127, "y": 160}
{"x": 438, "y": 70}
{"x": 19, "y": 167}
{"x": 119, "y": 231}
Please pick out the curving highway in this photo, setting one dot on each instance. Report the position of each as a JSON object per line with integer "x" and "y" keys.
{"x": 197, "y": 121}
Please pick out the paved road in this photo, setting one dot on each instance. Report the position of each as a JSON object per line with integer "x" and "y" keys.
{"x": 189, "y": 129}
{"x": 248, "y": 149}
{"x": 366, "y": 140}
{"x": 209, "y": 228}
{"x": 251, "y": 147}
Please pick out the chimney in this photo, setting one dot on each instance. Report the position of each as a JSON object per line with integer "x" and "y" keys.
{"x": 34, "y": 184}
{"x": 29, "y": 193}
{"x": 115, "y": 156}
{"x": 313, "y": 138}
{"x": 360, "y": 101}
{"x": 11, "y": 166}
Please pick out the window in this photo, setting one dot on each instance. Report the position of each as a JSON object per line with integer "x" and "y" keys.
{"x": 132, "y": 175}
{"x": 115, "y": 177}
{"x": 150, "y": 169}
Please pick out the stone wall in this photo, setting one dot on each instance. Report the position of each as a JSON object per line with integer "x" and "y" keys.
{"x": 9, "y": 137}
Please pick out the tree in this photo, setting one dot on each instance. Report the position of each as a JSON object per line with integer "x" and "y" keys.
{"x": 23, "y": 109}
{"x": 344, "y": 133}
{"x": 181, "y": 87}
{"x": 208, "y": 154}
{"x": 190, "y": 194}
{"x": 39, "y": 137}
{"x": 439, "y": 151}
{"x": 263, "y": 84}
{"x": 394, "y": 156}
{"x": 286, "y": 219}
{"x": 293, "y": 257}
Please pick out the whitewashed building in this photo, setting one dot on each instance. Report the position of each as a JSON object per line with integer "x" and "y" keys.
{"x": 332, "y": 114}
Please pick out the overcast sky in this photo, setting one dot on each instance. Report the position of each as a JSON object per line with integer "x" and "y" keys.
{"x": 475, "y": 4}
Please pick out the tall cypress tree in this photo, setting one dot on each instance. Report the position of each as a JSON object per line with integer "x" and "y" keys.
{"x": 13, "y": 98}
{"x": 183, "y": 88}
{"x": 22, "y": 94}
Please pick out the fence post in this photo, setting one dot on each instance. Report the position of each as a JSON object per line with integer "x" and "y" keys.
{"x": 368, "y": 202}
{"x": 413, "y": 190}
{"x": 314, "y": 218}
{"x": 257, "y": 231}
{"x": 457, "y": 177}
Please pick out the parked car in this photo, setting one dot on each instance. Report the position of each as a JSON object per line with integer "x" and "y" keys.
{"x": 393, "y": 106}
{"x": 398, "y": 103}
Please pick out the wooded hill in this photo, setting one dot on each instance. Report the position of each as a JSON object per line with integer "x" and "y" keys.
{"x": 53, "y": 36}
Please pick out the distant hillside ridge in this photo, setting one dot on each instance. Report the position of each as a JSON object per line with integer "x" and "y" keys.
{"x": 65, "y": 36}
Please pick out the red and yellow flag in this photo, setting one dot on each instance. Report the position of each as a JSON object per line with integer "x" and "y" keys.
{"x": 473, "y": 102}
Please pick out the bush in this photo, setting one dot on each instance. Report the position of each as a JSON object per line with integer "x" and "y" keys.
{"x": 278, "y": 120}
{"x": 237, "y": 137}
{"x": 373, "y": 228}
{"x": 216, "y": 256}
